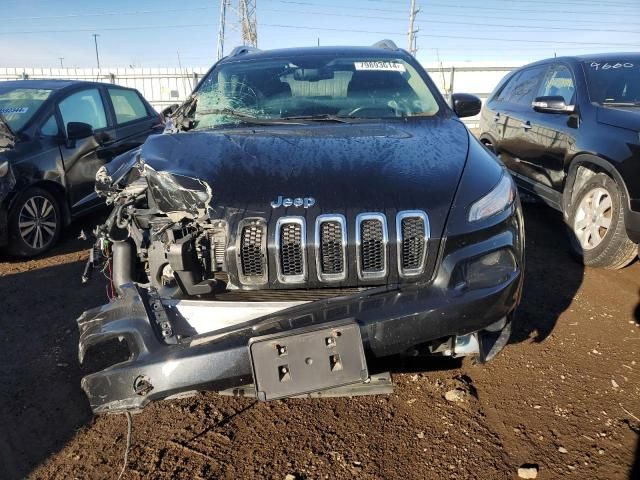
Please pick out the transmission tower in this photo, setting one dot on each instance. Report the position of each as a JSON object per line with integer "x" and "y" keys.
{"x": 412, "y": 31}
{"x": 247, "y": 23}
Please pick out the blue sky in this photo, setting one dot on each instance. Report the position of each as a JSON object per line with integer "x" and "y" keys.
{"x": 151, "y": 32}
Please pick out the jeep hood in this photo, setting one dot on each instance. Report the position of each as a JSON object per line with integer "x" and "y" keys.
{"x": 623, "y": 117}
{"x": 346, "y": 168}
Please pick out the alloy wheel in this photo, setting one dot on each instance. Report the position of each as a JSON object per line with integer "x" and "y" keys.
{"x": 37, "y": 222}
{"x": 593, "y": 218}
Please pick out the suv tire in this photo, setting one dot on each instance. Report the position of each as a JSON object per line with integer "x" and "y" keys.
{"x": 35, "y": 222}
{"x": 597, "y": 227}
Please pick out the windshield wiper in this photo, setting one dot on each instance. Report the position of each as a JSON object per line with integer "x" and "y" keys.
{"x": 324, "y": 117}
{"x": 229, "y": 112}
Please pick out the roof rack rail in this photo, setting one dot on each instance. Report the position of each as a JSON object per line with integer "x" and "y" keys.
{"x": 243, "y": 49}
{"x": 386, "y": 44}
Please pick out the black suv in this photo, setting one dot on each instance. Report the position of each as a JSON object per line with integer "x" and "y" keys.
{"x": 305, "y": 208}
{"x": 568, "y": 129}
{"x": 54, "y": 136}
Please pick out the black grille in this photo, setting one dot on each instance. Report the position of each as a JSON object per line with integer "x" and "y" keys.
{"x": 251, "y": 254}
{"x": 413, "y": 243}
{"x": 291, "y": 260}
{"x": 331, "y": 251}
{"x": 372, "y": 246}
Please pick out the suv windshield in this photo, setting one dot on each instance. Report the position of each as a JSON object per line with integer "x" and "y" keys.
{"x": 315, "y": 87}
{"x": 616, "y": 81}
{"x": 18, "y": 105}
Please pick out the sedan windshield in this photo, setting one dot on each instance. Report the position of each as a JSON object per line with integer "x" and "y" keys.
{"x": 614, "y": 82}
{"x": 313, "y": 88}
{"x": 18, "y": 105}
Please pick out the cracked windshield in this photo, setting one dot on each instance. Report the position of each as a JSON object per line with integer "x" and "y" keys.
{"x": 312, "y": 88}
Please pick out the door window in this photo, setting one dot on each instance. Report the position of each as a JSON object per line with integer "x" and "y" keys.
{"x": 525, "y": 85}
{"x": 559, "y": 82}
{"x": 127, "y": 105}
{"x": 50, "y": 127}
{"x": 86, "y": 107}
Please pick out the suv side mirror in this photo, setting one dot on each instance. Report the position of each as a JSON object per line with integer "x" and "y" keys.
{"x": 465, "y": 105}
{"x": 552, "y": 104}
{"x": 79, "y": 130}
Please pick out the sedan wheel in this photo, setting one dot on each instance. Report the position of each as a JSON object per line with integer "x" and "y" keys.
{"x": 37, "y": 222}
{"x": 593, "y": 218}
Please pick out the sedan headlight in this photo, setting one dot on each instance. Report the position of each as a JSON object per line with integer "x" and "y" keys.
{"x": 496, "y": 201}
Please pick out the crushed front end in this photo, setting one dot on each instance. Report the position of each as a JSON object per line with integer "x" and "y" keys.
{"x": 206, "y": 297}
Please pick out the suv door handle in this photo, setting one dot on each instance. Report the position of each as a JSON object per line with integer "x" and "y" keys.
{"x": 496, "y": 117}
{"x": 526, "y": 125}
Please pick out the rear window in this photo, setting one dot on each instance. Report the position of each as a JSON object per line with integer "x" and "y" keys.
{"x": 19, "y": 105}
{"x": 615, "y": 81}
{"x": 127, "y": 105}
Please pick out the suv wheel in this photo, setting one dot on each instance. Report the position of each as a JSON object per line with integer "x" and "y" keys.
{"x": 597, "y": 222}
{"x": 34, "y": 223}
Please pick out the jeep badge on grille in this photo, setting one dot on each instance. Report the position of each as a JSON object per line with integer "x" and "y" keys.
{"x": 305, "y": 202}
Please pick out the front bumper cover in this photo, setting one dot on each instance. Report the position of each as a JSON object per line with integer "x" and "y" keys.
{"x": 391, "y": 321}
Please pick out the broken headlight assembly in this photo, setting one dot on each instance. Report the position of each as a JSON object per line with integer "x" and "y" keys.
{"x": 496, "y": 201}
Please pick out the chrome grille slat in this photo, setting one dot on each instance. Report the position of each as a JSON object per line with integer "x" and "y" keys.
{"x": 331, "y": 247}
{"x": 371, "y": 245}
{"x": 412, "y": 230}
{"x": 291, "y": 243}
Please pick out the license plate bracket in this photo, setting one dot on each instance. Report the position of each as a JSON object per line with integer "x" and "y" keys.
{"x": 307, "y": 360}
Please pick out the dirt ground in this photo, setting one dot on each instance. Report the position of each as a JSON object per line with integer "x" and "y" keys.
{"x": 563, "y": 396}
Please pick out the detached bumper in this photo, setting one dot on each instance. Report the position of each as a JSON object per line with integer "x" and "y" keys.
{"x": 391, "y": 320}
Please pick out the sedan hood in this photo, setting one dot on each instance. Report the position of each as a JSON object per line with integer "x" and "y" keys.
{"x": 623, "y": 117}
{"x": 330, "y": 168}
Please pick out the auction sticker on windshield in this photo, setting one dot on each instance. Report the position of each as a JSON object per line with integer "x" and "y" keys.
{"x": 7, "y": 110}
{"x": 381, "y": 66}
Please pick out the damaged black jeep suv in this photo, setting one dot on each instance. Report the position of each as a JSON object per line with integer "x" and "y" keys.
{"x": 305, "y": 210}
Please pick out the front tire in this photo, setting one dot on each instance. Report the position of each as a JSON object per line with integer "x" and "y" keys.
{"x": 596, "y": 220}
{"x": 35, "y": 222}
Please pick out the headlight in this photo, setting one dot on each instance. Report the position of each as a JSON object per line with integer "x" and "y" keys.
{"x": 496, "y": 201}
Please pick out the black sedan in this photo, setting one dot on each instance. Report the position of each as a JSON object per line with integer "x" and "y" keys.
{"x": 54, "y": 136}
{"x": 307, "y": 206}
{"x": 568, "y": 130}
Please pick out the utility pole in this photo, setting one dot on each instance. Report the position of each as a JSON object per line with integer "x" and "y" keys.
{"x": 61, "y": 58}
{"x": 95, "y": 41}
{"x": 412, "y": 31}
{"x": 223, "y": 21}
{"x": 248, "y": 22}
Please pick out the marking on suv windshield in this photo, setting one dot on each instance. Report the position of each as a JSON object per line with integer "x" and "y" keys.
{"x": 305, "y": 202}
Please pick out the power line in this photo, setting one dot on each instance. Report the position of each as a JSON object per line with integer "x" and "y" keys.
{"x": 551, "y": 2}
{"x": 483, "y": 7}
{"x": 311, "y": 27}
{"x": 296, "y": 2}
{"x": 523, "y": 28}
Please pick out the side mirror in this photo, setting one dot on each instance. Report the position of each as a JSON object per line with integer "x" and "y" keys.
{"x": 465, "y": 105}
{"x": 552, "y": 104}
{"x": 167, "y": 111}
{"x": 79, "y": 130}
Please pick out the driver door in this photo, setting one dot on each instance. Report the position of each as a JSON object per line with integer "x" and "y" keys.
{"x": 82, "y": 158}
